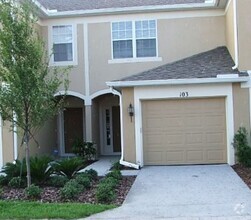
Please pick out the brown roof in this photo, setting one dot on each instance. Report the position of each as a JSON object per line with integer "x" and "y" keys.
{"x": 73, "y": 5}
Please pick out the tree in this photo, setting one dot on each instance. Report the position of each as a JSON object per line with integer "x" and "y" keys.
{"x": 27, "y": 84}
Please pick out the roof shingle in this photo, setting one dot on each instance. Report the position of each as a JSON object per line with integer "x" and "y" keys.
{"x": 73, "y": 5}
{"x": 204, "y": 65}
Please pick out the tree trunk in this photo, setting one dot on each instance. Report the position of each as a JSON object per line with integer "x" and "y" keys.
{"x": 27, "y": 157}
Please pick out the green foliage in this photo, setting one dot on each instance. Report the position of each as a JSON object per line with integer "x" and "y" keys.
{"x": 1, "y": 193}
{"x": 93, "y": 174}
{"x": 16, "y": 182}
{"x": 27, "y": 84}
{"x": 68, "y": 167}
{"x": 3, "y": 180}
{"x": 110, "y": 181}
{"x": 115, "y": 174}
{"x": 57, "y": 181}
{"x": 84, "y": 149}
{"x": 71, "y": 190}
{"x": 83, "y": 180}
{"x": 33, "y": 192}
{"x": 116, "y": 166}
{"x": 40, "y": 169}
{"x": 15, "y": 169}
{"x": 243, "y": 150}
{"x": 105, "y": 193}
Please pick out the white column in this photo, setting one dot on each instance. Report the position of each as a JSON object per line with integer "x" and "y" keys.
{"x": 88, "y": 123}
{"x": 1, "y": 143}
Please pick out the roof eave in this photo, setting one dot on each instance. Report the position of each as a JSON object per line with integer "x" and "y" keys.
{"x": 137, "y": 9}
{"x": 176, "y": 81}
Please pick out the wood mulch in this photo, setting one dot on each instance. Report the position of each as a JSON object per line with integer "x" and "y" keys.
{"x": 52, "y": 194}
{"x": 244, "y": 173}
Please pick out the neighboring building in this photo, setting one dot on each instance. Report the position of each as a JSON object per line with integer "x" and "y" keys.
{"x": 181, "y": 65}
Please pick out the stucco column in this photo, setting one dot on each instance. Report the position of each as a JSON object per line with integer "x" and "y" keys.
{"x": 88, "y": 122}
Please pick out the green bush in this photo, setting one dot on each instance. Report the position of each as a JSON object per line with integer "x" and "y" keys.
{"x": 3, "y": 180}
{"x": 116, "y": 166}
{"x": 83, "y": 180}
{"x": 115, "y": 174}
{"x": 71, "y": 190}
{"x": 93, "y": 174}
{"x": 68, "y": 167}
{"x": 57, "y": 181}
{"x": 105, "y": 193}
{"x": 110, "y": 181}
{"x": 40, "y": 169}
{"x": 243, "y": 150}
{"x": 1, "y": 193}
{"x": 15, "y": 169}
{"x": 33, "y": 192}
{"x": 83, "y": 149}
{"x": 16, "y": 182}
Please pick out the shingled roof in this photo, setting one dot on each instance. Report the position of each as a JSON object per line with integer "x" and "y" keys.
{"x": 73, "y": 5}
{"x": 204, "y": 65}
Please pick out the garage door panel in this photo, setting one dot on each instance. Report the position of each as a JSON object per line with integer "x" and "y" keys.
{"x": 184, "y": 131}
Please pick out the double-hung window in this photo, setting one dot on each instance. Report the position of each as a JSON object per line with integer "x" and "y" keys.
{"x": 62, "y": 37}
{"x": 134, "y": 39}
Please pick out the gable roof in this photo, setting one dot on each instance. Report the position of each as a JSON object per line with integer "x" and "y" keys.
{"x": 73, "y": 5}
{"x": 209, "y": 64}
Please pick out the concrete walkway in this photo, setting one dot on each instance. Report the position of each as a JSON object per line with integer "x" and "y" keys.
{"x": 185, "y": 193}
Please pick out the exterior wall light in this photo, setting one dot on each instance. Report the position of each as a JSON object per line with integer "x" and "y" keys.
{"x": 131, "y": 111}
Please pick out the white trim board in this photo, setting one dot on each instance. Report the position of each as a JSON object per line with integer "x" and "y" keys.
{"x": 1, "y": 143}
{"x": 194, "y": 91}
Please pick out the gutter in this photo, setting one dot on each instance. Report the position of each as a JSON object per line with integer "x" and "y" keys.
{"x": 122, "y": 161}
{"x": 219, "y": 79}
{"x": 236, "y": 46}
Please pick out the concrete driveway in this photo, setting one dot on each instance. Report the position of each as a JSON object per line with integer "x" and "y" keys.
{"x": 185, "y": 192}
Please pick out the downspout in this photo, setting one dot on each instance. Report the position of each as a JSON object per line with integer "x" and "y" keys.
{"x": 122, "y": 161}
{"x": 236, "y": 37}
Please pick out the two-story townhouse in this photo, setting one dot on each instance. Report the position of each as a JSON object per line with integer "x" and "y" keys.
{"x": 158, "y": 81}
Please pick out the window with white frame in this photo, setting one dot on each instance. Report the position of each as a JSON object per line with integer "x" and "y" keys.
{"x": 62, "y": 43}
{"x": 134, "y": 39}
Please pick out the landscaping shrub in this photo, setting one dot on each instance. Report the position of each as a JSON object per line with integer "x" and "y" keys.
{"x": 1, "y": 193}
{"x": 105, "y": 193}
{"x": 3, "y": 180}
{"x": 116, "y": 166}
{"x": 57, "y": 181}
{"x": 115, "y": 174}
{"x": 16, "y": 182}
{"x": 83, "y": 149}
{"x": 68, "y": 167}
{"x": 83, "y": 180}
{"x": 71, "y": 190}
{"x": 33, "y": 192}
{"x": 40, "y": 169}
{"x": 110, "y": 181}
{"x": 15, "y": 169}
{"x": 93, "y": 174}
{"x": 243, "y": 150}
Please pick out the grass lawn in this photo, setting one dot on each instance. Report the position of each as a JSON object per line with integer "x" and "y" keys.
{"x": 35, "y": 210}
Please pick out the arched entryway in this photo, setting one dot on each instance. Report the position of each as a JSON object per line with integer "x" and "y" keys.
{"x": 106, "y": 124}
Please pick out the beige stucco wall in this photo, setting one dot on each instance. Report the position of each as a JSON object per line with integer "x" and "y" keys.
{"x": 241, "y": 107}
{"x": 230, "y": 37}
{"x": 128, "y": 126}
{"x": 76, "y": 73}
{"x": 8, "y": 149}
{"x": 177, "y": 38}
{"x": 244, "y": 34}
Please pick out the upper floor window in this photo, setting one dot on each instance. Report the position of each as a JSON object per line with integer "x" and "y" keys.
{"x": 134, "y": 39}
{"x": 62, "y": 43}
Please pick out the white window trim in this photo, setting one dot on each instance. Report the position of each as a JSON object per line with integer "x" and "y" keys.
{"x": 135, "y": 59}
{"x": 74, "y": 61}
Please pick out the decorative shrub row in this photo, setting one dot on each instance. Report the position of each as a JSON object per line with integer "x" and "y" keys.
{"x": 105, "y": 192}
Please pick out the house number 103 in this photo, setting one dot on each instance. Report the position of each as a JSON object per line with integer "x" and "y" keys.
{"x": 184, "y": 94}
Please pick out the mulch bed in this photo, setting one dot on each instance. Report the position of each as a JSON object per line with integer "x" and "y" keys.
{"x": 244, "y": 173}
{"x": 52, "y": 194}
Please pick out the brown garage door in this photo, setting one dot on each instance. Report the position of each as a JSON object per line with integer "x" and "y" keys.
{"x": 189, "y": 131}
